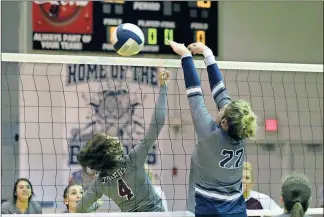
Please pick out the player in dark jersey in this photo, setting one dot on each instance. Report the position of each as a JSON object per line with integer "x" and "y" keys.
{"x": 123, "y": 177}
{"x": 296, "y": 192}
{"x": 215, "y": 181}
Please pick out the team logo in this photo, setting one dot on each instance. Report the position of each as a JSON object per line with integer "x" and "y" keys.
{"x": 115, "y": 107}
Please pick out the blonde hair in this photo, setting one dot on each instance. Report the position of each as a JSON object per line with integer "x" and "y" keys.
{"x": 241, "y": 120}
{"x": 248, "y": 167}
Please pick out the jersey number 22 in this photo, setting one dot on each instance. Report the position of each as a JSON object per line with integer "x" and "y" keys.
{"x": 233, "y": 158}
{"x": 124, "y": 190}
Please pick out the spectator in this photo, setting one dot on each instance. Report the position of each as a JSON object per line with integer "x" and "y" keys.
{"x": 253, "y": 199}
{"x": 21, "y": 202}
{"x": 296, "y": 192}
{"x": 72, "y": 194}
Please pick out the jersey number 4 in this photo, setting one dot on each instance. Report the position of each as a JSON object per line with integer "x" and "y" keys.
{"x": 124, "y": 190}
{"x": 233, "y": 159}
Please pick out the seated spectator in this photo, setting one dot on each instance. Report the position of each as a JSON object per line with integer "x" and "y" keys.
{"x": 253, "y": 199}
{"x": 21, "y": 202}
{"x": 296, "y": 195}
{"x": 72, "y": 194}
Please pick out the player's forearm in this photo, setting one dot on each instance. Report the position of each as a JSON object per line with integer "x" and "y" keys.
{"x": 139, "y": 153}
{"x": 159, "y": 115}
{"x": 200, "y": 116}
{"x": 96, "y": 205}
{"x": 87, "y": 203}
{"x": 216, "y": 81}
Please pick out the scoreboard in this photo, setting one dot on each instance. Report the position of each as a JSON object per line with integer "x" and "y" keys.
{"x": 88, "y": 25}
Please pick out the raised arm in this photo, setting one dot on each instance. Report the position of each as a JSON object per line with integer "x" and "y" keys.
{"x": 140, "y": 152}
{"x": 203, "y": 122}
{"x": 215, "y": 77}
{"x": 96, "y": 205}
{"x": 88, "y": 203}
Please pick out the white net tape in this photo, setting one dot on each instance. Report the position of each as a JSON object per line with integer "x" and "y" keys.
{"x": 52, "y": 96}
{"x": 262, "y": 213}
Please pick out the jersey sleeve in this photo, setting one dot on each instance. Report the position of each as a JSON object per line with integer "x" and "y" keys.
{"x": 38, "y": 208}
{"x": 5, "y": 208}
{"x": 140, "y": 152}
{"x": 94, "y": 207}
{"x": 203, "y": 122}
{"x": 216, "y": 81}
{"x": 92, "y": 194}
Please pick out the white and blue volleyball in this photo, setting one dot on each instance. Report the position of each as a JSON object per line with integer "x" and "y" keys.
{"x": 128, "y": 39}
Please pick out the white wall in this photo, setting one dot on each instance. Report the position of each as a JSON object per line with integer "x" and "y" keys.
{"x": 271, "y": 31}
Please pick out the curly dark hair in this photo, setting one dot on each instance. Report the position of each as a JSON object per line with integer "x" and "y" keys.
{"x": 101, "y": 153}
{"x": 14, "y": 194}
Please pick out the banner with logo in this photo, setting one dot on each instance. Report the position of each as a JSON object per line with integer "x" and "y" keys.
{"x": 61, "y": 106}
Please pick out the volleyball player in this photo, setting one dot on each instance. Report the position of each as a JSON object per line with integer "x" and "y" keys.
{"x": 296, "y": 192}
{"x": 123, "y": 177}
{"x": 215, "y": 182}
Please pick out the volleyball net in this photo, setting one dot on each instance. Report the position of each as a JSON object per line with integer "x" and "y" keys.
{"x": 51, "y": 105}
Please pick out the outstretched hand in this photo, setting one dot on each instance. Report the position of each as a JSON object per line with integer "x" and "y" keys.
{"x": 197, "y": 48}
{"x": 164, "y": 77}
{"x": 178, "y": 48}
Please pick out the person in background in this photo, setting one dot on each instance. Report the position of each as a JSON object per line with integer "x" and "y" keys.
{"x": 157, "y": 188}
{"x": 72, "y": 194}
{"x": 296, "y": 195}
{"x": 255, "y": 200}
{"x": 21, "y": 202}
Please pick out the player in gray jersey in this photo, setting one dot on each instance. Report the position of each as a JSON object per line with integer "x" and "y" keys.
{"x": 296, "y": 195}
{"x": 215, "y": 181}
{"x": 123, "y": 177}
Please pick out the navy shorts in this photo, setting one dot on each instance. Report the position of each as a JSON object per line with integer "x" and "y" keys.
{"x": 224, "y": 215}
{"x": 210, "y": 207}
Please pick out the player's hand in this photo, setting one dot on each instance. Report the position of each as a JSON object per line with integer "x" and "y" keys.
{"x": 197, "y": 48}
{"x": 178, "y": 48}
{"x": 99, "y": 202}
{"x": 163, "y": 77}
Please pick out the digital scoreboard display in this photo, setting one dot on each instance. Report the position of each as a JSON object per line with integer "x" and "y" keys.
{"x": 88, "y": 25}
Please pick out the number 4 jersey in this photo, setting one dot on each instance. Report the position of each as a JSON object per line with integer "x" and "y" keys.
{"x": 128, "y": 184}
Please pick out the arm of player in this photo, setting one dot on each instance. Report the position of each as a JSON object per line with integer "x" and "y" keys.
{"x": 92, "y": 194}
{"x": 215, "y": 77}
{"x": 140, "y": 152}
{"x": 202, "y": 120}
{"x": 96, "y": 205}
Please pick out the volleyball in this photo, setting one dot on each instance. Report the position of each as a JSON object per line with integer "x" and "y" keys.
{"x": 128, "y": 39}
